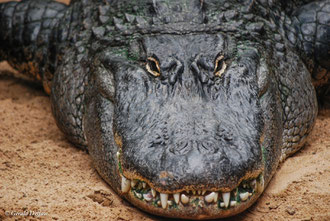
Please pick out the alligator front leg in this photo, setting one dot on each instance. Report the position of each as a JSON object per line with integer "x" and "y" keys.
{"x": 44, "y": 39}
{"x": 308, "y": 31}
{"x": 28, "y": 38}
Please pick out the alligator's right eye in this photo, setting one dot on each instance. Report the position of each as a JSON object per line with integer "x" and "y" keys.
{"x": 153, "y": 66}
{"x": 220, "y": 66}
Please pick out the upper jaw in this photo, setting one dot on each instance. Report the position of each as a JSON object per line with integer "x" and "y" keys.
{"x": 192, "y": 201}
{"x": 223, "y": 170}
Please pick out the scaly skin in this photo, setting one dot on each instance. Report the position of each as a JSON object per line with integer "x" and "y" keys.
{"x": 186, "y": 107}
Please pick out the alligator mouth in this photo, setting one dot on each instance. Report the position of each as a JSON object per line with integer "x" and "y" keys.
{"x": 222, "y": 203}
{"x": 245, "y": 190}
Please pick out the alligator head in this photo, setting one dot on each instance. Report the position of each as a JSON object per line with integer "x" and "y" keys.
{"x": 183, "y": 126}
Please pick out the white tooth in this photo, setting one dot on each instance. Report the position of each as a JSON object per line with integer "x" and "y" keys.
{"x": 147, "y": 196}
{"x": 144, "y": 185}
{"x": 163, "y": 199}
{"x": 222, "y": 204}
{"x": 204, "y": 191}
{"x": 118, "y": 154}
{"x": 170, "y": 202}
{"x": 244, "y": 196}
{"x": 226, "y": 198}
{"x": 260, "y": 184}
{"x": 199, "y": 192}
{"x": 184, "y": 199}
{"x": 216, "y": 195}
{"x": 250, "y": 194}
{"x": 210, "y": 197}
{"x": 125, "y": 184}
{"x": 153, "y": 192}
{"x": 194, "y": 192}
{"x": 232, "y": 203}
{"x": 133, "y": 183}
{"x": 176, "y": 197}
{"x": 138, "y": 195}
{"x": 253, "y": 184}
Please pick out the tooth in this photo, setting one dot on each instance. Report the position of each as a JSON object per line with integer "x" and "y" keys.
{"x": 144, "y": 185}
{"x": 138, "y": 195}
{"x": 118, "y": 154}
{"x": 163, "y": 199}
{"x": 184, "y": 199}
{"x": 222, "y": 204}
{"x": 253, "y": 183}
{"x": 125, "y": 184}
{"x": 244, "y": 196}
{"x": 176, "y": 197}
{"x": 153, "y": 192}
{"x": 232, "y": 203}
{"x": 170, "y": 202}
{"x": 147, "y": 196}
{"x": 210, "y": 197}
{"x": 216, "y": 194}
{"x": 194, "y": 192}
{"x": 199, "y": 192}
{"x": 133, "y": 183}
{"x": 226, "y": 198}
{"x": 204, "y": 191}
{"x": 260, "y": 184}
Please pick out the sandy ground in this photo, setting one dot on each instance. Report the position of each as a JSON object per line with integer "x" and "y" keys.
{"x": 43, "y": 176}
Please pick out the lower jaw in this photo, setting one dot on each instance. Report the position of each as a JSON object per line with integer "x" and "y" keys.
{"x": 195, "y": 211}
{"x": 198, "y": 206}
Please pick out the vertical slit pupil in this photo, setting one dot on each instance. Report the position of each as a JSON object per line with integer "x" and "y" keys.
{"x": 219, "y": 65}
{"x": 153, "y": 66}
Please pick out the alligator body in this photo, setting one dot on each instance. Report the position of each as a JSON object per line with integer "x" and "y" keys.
{"x": 186, "y": 107}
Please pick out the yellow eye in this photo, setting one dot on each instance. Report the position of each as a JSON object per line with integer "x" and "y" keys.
{"x": 153, "y": 66}
{"x": 220, "y": 66}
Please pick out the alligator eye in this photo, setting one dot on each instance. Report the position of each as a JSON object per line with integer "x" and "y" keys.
{"x": 153, "y": 66}
{"x": 220, "y": 66}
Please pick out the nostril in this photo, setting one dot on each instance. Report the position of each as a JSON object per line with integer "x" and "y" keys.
{"x": 180, "y": 148}
{"x": 208, "y": 147}
{"x": 204, "y": 147}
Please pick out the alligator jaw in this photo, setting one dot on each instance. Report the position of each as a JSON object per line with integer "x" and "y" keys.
{"x": 193, "y": 203}
{"x": 200, "y": 204}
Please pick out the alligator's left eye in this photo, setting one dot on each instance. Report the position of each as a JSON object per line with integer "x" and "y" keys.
{"x": 153, "y": 66}
{"x": 219, "y": 66}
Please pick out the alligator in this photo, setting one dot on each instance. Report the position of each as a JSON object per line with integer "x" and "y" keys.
{"x": 186, "y": 107}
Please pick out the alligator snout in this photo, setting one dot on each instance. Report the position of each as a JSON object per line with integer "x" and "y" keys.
{"x": 196, "y": 148}
{"x": 192, "y": 165}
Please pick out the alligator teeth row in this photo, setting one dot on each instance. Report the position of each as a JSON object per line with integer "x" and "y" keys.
{"x": 224, "y": 199}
